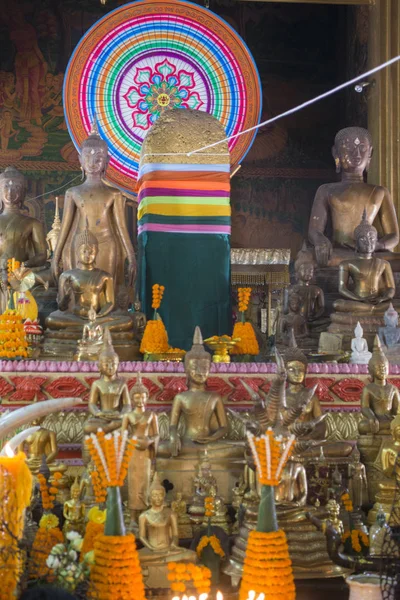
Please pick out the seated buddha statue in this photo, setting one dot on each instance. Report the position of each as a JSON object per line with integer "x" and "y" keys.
{"x": 109, "y": 397}
{"x": 343, "y": 203}
{"x": 139, "y": 319}
{"x": 74, "y": 511}
{"x": 42, "y": 443}
{"x": 203, "y": 413}
{"x": 21, "y": 237}
{"x": 312, "y": 301}
{"x": 158, "y": 532}
{"x": 80, "y": 291}
{"x": 390, "y": 333}
{"x": 220, "y": 517}
{"x": 380, "y": 400}
{"x": 360, "y": 355}
{"x": 91, "y": 343}
{"x": 202, "y": 483}
{"x": 388, "y": 461}
{"x": 310, "y": 425}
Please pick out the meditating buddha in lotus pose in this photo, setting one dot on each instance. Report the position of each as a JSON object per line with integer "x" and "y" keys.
{"x": 344, "y": 202}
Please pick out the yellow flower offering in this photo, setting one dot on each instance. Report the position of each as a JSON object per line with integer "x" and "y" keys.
{"x": 96, "y": 515}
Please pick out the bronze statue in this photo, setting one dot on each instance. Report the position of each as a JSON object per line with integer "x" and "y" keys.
{"x": 372, "y": 278}
{"x": 90, "y": 345}
{"x": 21, "y": 237}
{"x": 109, "y": 396}
{"x": 204, "y": 413}
{"x": 142, "y": 424}
{"x": 293, "y": 321}
{"x": 139, "y": 319}
{"x": 179, "y": 507}
{"x": 380, "y": 400}
{"x": 390, "y": 333}
{"x": 87, "y": 287}
{"x": 343, "y": 203}
{"x": 158, "y": 532}
{"x": 42, "y": 443}
{"x": 311, "y": 296}
{"x": 74, "y": 511}
{"x": 101, "y": 208}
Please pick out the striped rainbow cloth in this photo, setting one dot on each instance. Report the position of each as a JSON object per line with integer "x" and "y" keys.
{"x": 184, "y": 198}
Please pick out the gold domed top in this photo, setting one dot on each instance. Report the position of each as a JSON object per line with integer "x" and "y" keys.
{"x": 179, "y": 131}
{"x": 139, "y": 387}
{"x": 378, "y": 356}
{"x": 197, "y": 351}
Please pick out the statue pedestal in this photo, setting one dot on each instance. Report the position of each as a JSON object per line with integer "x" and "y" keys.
{"x": 180, "y": 471}
{"x": 63, "y": 345}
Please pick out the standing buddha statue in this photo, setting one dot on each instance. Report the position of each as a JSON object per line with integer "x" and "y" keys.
{"x": 101, "y": 208}
{"x": 109, "y": 397}
{"x": 343, "y": 203}
{"x": 143, "y": 425}
{"x": 179, "y": 507}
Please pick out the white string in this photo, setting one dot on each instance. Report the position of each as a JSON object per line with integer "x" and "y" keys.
{"x": 56, "y": 190}
{"x": 301, "y": 106}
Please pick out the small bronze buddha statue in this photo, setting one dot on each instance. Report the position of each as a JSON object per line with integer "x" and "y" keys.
{"x": 90, "y": 345}
{"x": 101, "y": 208}
{"x": 158, "y": 532}
{"x": 311, "y": 296}
{"x": 179, "y": 507}
{"x": 390, "y": 333}
{"x": 74, "y": 511}
{"x": 293, "y": 321}
{"x": 21, "y": 237}
{"x": 202, "y": 483}
{"x": 143, "y": 425}
{"x": 220, "y": 517}
{"x": 109, "y": 397}
{"x": 139, "y": 319}
{"x": 380, "y": 400}
{"x": 386, "y": 495}
{"x": 343, "y": 203}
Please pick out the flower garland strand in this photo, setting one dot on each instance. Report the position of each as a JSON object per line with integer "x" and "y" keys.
{"x": 111, "y": 454}
{"x": 267, "y": 566}
{"x": 47, "y": 536}
{"x": 244, "y": 331}
{"x": 94, "y": 529}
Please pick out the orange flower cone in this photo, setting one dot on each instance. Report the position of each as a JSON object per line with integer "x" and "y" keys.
{"x": 248, "y": 342}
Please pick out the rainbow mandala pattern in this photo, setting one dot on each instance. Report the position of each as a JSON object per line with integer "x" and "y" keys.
{"x": 148, "y": 57}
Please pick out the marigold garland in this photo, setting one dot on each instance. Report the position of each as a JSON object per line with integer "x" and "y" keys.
{"x": 13, "y": 343}
{"x": 158, "y": 293}
{"x": 92, "y": 533}
{"x": 46, "y": 537}
{"x": 268, "y": 569}
{"x": 358, "y": 539}
{"x": 209, "y": 505}
{"x": 348, "y": 505}
{"x": 247, "y": 343}
{"x": 212, "y": 541}
{"x": 244, "y": 295}
{"x": 47, "y": 497}
{"x": 116, "y": 573}
{"x": 270, "y": 455}
{"x": 155, "y": 338}
{"x": 111, "y": 454}
{"x": 199, "y": 576}
{"x": 100, "y": 490}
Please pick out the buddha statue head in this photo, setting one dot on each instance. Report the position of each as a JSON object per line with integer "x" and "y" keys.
{"x": 12, "y": 189}
{"x": 75, "y": 489}
{"x": 157, "y": 493}
{"x": 197, "y": 361}
{"x": 395, "y": 428}
{"x": 366, "y": 236}
{"x": 378, "y": 365}
{"x": 294, "y": 303}
{"x": 137, "y": 305}
{"x": 304, "y": 266}
{"x": 139, "y": 393}
{"x": 108, "y": 358}
{"x": 92, "y": 314}
{"x": 86, "y": 247}
{"x": 295, "y": 362}
{"x": 391, "y": 317}
{"x": 352, "y": 150}
{"x": 94, "y": 153}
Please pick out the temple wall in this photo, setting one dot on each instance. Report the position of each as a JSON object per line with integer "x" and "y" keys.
{"x": 301, "y": 51}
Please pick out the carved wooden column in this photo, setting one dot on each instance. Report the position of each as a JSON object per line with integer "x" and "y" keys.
{"x": 384, "y": 101}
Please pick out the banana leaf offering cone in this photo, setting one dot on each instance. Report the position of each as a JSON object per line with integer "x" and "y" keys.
{"x": 267, "y": 567}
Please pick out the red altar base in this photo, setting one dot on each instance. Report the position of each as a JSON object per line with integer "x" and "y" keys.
{"x": 339, "y": 386}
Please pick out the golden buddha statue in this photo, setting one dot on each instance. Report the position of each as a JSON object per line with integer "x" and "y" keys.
{"x": 101, "y": 208}
{"x": 90, "y": 345}
{"x": 74, "y": 511}
{"x": 388, "y": 462}
{"x": 158, "y": 532}
{"x": 179, "y": 507}
{"x": 109, "y": 396}
{"x": 220, "y": 517}
{"x": 139, "y": 319}
{"x": 142, "y": 424}
{"x": 202, "y": 483}
{"x": 380, "y": 400}
{"x": 343, "y": 203}
{"x": 21, "y": 237}
{"x": 42, "y": 443}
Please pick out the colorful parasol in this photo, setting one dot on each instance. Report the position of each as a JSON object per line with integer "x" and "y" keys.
{"x": 148, "y": 57}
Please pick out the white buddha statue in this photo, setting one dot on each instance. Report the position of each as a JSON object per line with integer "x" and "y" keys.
{"x": 360, "y": 355}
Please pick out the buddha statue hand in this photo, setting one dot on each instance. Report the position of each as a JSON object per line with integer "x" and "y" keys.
{"x": 323, "y": 251}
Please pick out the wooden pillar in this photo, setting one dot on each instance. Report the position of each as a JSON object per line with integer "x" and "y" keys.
{"x": 384, "y": 101}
